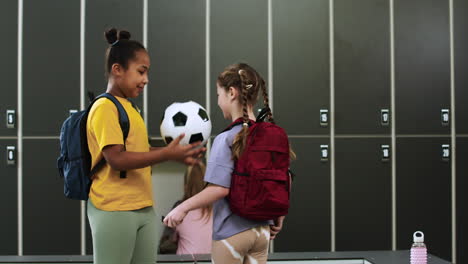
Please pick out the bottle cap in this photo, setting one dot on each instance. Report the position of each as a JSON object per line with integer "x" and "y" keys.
{"x": 418, "y": 236}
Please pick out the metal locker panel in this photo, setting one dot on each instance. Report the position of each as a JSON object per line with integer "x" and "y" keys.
{"x": 307, "y": 226}
{"x": 239, "y": 33}
{"x": 176, "y": 42}
{"x": 100, "y": 16}
{"x": 51, "y": 222}
{"x": 9, "y": 208}
{"x": 362, "y": 66}
{"x": 422, "y": 66}
{"x": 363, "y": 195}
{"x": 301, "y": 64}
{"x": 460, "y": 20}
{"x": 51, "y": 65}
{"x": 89, "y": 238}
{"x": 9, "y": 63}
{"x": 423, "y": 194}
{"x": 461, "y": 198}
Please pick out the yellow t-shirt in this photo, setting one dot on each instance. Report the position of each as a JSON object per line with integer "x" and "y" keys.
{"x": 108, "y": 191}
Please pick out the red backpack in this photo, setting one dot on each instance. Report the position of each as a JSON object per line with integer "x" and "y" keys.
{"x": 260, "y": 183}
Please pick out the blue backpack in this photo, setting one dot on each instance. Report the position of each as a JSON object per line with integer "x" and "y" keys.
{"x": 74, "y": 162}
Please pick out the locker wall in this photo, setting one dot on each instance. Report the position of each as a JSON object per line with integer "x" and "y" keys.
{"x": 301, "y": 82}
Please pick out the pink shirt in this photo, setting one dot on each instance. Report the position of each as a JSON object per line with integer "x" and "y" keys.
{"x": 195, "y": 233}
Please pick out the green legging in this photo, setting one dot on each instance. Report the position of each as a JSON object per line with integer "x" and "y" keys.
{"x": 123, "y": 237}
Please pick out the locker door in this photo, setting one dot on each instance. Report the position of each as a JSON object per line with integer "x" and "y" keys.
{"x": 51, "y": 222}
{"x": 51, "y": 65}
{"x": 301, "y": 65}
{"x": 9, "y": 63}
{"x": 102, "y": 15}
{"x": 9, "y": 206}
{"x": 363, "y": 195}
{"x": 362, "y": 66}
{"x": 423, "y": 194}
{"x": 89, "y": 238}
{"x": 307, "y": 226}
{"x": 422, "y": 66}
{"x": 177, "y": 48}
{"x": 238, "y": 34}
{"x": 462, "y": 197}
{"x": 460, "y": 19}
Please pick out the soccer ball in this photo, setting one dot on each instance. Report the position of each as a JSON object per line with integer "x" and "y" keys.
{"x": 189, "y": 118}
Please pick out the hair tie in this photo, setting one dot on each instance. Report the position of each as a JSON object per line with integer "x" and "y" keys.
{"x": 115, "y": 42}
{"x": 248, "y": 86}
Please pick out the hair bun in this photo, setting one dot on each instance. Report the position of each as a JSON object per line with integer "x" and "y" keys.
{"x": 111, "y": 35}
{"x": 123, "y": 34}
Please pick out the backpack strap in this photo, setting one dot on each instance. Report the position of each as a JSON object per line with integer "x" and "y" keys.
{"x": 260, "y": 118}
{"x": 124, "y": 124}
{"x": 123, "y": 117}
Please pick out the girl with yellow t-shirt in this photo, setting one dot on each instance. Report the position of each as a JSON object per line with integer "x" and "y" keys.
{"x": 120, "y": 210}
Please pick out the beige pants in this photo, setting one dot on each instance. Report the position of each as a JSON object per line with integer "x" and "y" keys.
{"x": 248, "y": 247}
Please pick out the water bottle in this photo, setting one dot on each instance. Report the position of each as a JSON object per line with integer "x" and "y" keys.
{"x": 418, "y": 249}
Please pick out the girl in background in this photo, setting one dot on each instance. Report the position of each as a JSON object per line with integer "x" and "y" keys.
{"x": 193, "y": 235}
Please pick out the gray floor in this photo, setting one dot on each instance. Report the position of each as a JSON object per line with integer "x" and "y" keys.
{"x": 355, "y": 257}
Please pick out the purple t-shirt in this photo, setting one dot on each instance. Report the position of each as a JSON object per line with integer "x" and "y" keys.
{"x": 218, "y": 171}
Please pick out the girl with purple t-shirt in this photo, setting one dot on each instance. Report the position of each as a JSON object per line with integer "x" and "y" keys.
{"x": 235, "y": 239}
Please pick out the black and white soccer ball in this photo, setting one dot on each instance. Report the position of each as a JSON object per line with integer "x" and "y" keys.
{"x": 189, "y": 118}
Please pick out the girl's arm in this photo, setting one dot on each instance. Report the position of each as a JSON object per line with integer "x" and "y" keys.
{"x": 209, "y": 195}
{"x": 122, "y": 160}
{"x": 276, "y": 227}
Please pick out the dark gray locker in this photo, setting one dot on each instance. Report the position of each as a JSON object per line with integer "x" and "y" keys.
{"x": 176, "y": 42}
{"x": 362, "y": 66}
{"x": 100, "y": 16}
{"x": 423, "y": 194}
{"x": 461, "y": 198}
{"x": 301, "y": 64}
{"x": 9, "y": 206}
{"x": 363, "y": 195}
{"x": 89, "y": 238}
{"x": 51, "y": 65}
{"x": 307, "y": 226}
{"x": 51, "y": 222}
{"x": 9, "y": 63}
{"x": 422, "y": 66}
{"x": 460, "y": 20}
{"x": 239, "y": 33}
